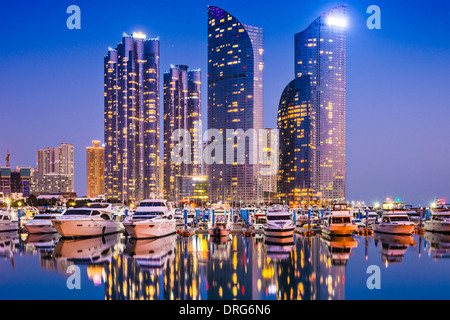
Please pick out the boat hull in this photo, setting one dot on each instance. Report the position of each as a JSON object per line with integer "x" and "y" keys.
{"x": 340, "y": 230}
{"x": 150, "y": 229}
{"x": 394, "y": 229}
{"x": 218, "y": 232}
{"x": 437, "y": 226}
{"x": 270, "y": 231}
{"x": 40, "y": 228}
{"x": 86, "y": 228}
{"x": 8, "y": 227}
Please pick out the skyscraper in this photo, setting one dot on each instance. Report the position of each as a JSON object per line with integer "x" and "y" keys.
{"x": 235, "y": 102}
{"x": 182, "y": 110}
{"x": 95, "y": 170}
{"x": 320, "y": 51}
{"x": 297, "y": 129}
{"x": 318, "y": 149}
{"x": 131, "y": 110}
{"x": 55, "y": 169}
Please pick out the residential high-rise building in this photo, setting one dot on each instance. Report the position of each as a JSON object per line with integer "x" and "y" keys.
{"x": 297, "y": 151}
{"x": 95, "y": 170}
{"x": 235, "y": 103}
{"x": 311, "y": 115}
{"x": 55, "y": 169}
{"x": 320, "y": 52}
{"x": 269, "y": 166}
{"x": 131, "y": 112}
{"x": 182, "y": 112}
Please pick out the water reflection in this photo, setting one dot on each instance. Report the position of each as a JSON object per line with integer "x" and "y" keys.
{"x": 393, "y": 247}
{"x": 437, "y": 244}
{"x": 201, "y": 267}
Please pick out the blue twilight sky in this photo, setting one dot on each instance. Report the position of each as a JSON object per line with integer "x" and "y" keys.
{"x": 51, "y": 79}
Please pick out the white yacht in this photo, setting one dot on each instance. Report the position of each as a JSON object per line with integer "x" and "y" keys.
{"x": 152, "y": 218}
{"x": 95, "y": 219}
{"x": 395, "y": 220}
{"x": 440, "y": 219}
{"x": 7, "y": 222}
{"x": 339, "y": 222}
{"x": 279, "y": 223}
{"x": 41, "y": 223}
{"x": 220, "y": 228}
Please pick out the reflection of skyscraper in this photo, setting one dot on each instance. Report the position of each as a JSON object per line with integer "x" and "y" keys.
{"x": 182, "y": 91}
{"x": 320, "y": 52}
{"x": 95, "y": 170}
{"x": 235, "y": 101}
{"x": 131, "y": 110}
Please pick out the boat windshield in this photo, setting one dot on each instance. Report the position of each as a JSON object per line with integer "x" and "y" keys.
{"x": 148, "y": 214}
{"x": 98, "y": 205}
{"x": 43, "y": 217}
{"x": 77, "y": 212}
{"x": 278, "y": 217}
{"x": 400, "y": 218}
{"x": 340, "y": 220}
{"x": 339, "y": 207}
{"x": 4, "y": 218}
{"x": 152, "y": 204}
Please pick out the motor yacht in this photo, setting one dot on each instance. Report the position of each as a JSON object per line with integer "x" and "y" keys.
{"x": 339, "y": 222}
{"x": 95, "y": 219}
{"x": 279, "y": 223}
{"x": 153, "y": 218}
{"x": 7, "y": 222}
{"x": 41, "y": 223}
{"x": 220, "y": 227}
{"x": 394, "y": 220}
{"x": 440, "y": 219}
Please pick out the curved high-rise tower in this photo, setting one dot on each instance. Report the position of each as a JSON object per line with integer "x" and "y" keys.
{"x": 235, "y": 101}
{"x": 320, "y": 52}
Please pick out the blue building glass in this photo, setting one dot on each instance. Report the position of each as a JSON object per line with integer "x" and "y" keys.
{"x": 320, "y": 52}
{"x": 235, "y": 101}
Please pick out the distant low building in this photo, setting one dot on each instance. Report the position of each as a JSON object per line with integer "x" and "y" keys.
{"x": 95, "y": 170}
{"x": 15, "y": 181}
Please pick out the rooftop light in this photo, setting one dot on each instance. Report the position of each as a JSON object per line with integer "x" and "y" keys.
{"x": 138, "y": 35}
{"x": 335, "y": 21}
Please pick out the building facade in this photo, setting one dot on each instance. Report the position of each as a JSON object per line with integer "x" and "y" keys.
{"x": 131, "y": 114}
{"x": 54, "y": 169}
{"x": 297, "y": 151}
{"x": 16, "y": 183}
{"x": 182, "y": 111}
{"x": 235, "y": 102}
{"x": 95, "y": 170}
{"x": 320, "y": 52}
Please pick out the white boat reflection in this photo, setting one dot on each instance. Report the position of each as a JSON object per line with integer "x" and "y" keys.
{"x": 278, "y": 248}
{"x": 339, "y": 248}
{"x": 152, "y": 254}
{"x": 7, "y": 241}
{"x": 393, "y": 246}
{"x": 90, "y": 250}
{"x": 42, "y": 241}
{"x": 437, "y": 244}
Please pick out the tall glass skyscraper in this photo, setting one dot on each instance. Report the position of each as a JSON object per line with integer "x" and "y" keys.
{"x": 235, "y": 101}
{"x": 182, "y": 110}
{"x": 131, "y": 109}
{"x": 320, "y": 52}
{"x": 297, "y": 153}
